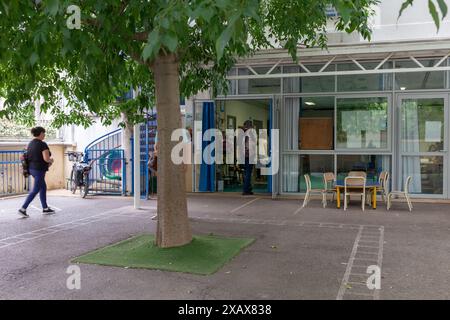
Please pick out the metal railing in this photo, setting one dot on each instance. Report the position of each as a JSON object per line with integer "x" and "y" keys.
{"x": 108, "y": 174}
{"x": 146, "y": 146}
{"x": 109, "y": 141}
{"x": 12, "y": 181}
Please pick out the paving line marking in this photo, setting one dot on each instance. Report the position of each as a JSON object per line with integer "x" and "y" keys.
{"x": 35, "y": 208}
{"x": 354, "y": 259}
{"x": 298, "y": 210}
{"x": 39, "y": 233}
{"x": 363, "y": 252}
{"x": 380, "y": 261}
{"x": 244, "y": 205}
{"x": 364, "y": 259}
{"x": 362, "y": 283}
{"x": 348, "y": 270}
{"x": 362, "y": 246}
{"x": 277, "y": 222}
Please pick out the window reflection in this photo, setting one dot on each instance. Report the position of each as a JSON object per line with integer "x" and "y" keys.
{"x": 362, "y": 123}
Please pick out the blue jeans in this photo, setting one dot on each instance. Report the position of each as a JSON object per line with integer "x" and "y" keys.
{"x": 39, "y": 187}
{"x": 248, "y": 168}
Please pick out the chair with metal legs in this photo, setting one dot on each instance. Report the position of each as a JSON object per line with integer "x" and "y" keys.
{"x": 355, "y": 186}
{"x": 404, "y": 193}
{"x": 329, "y": 181}
{"x": 383, "y": 181}
{"x": 310, "y": 191}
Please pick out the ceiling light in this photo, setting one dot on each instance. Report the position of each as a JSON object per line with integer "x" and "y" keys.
{"x": 402, "y": 88}
{"x": 310, "y": 103}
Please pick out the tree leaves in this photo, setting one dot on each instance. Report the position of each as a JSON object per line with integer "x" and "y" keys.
{"x": 433, "y": 13}
{"x": 405, "y": 5}
{"x": 52, "y": 7}
{"x": 443, "y": 7}
{"x": 34, "y": 58}
{"x": 431, "y": 8}
{"x": 170, "y": 41}
{"x": 153, "y": 45}
{"x": 92, "y": 66}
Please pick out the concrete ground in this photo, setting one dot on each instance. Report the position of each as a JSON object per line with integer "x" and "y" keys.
{"x": 310, "y": 253}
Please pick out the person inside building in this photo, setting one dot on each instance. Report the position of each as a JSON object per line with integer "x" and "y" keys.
{"x": 153, "y": 165}
{"x": 39, "y": 160}
{"x": 248, "y": 167}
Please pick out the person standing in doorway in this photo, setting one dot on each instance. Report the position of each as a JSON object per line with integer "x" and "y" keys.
{"x": 39, "y": 160}
{"x": 248, "y": 167}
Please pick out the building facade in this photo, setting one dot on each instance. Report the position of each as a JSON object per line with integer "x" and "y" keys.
{"x": 371, "y": 106}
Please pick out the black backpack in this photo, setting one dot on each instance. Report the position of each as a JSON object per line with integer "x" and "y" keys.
{"x": 25, "y": 164}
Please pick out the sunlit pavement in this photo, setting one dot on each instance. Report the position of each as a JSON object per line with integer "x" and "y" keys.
{"x": 310, "y": 253}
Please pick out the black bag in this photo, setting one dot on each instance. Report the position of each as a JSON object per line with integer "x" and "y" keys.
{"x": 25, "y": 164}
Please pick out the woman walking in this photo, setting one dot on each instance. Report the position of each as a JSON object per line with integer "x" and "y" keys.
{"x": 39, "y": 160}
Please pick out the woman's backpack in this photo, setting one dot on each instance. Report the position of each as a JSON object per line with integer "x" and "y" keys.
{"x": 25, "y": 164}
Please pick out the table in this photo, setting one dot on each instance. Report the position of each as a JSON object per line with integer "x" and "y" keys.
{"x": 371, "y": 185}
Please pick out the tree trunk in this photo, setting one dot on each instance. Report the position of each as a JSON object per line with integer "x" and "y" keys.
{"x": 173, "y": 227}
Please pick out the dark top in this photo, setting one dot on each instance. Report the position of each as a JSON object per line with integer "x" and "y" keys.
{"x": 35, "y": 158}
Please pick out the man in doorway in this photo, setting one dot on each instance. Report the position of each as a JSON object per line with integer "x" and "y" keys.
{"x": 248, "y": 167}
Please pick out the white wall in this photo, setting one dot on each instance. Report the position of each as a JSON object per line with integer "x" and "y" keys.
{"x": 415, "y": 23}
{"x": 82, "y": 137}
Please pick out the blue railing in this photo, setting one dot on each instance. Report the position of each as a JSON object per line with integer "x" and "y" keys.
{"x": 108, "y": 174}
{"x": 147, "y": 144}
{"x": 12, "y": 181}
{"x": 112, "y": 140}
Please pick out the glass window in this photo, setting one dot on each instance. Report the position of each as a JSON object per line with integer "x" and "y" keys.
{"x": 309, "y": 123}
{"x": 295, "y": 166}
{"x": 422, "y": 127}
{"x": 427, "y": 174}
{"x": 362, "y": 123}
{"x": 372, "y": 165}
{"x": 309, "y": 84}
{"x": 262, "y": 86}
{"x": 232, "y": 85}
{"x": 364, "y": 82}
{"x": 419, "y": 80}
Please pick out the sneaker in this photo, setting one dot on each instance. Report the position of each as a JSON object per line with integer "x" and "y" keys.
{"x": 23, "y": 213}
{"x": 247, "y": 193}
{"x": 48, "y": 211}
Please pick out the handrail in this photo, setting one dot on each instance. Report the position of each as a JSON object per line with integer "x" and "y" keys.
{"x": 100, "y": 138}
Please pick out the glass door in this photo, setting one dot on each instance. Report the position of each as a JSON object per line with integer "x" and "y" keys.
{"x": 423, "y": 140}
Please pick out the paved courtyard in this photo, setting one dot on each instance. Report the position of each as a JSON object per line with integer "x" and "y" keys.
{"x": 310, "y": 253}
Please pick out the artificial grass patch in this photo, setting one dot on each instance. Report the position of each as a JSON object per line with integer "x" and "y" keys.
{"x": 204, "y": 255}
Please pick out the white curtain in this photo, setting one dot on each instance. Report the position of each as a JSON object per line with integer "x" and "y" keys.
{"x": 291, "y": 162}
{"x": 410, "y": 143}
{"x": 292, "y": 85}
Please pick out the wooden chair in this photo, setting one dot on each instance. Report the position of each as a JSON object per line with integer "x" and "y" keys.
{"x": 383, "y": 181}
{"x": 329, "y": 179}
{"x": 355, "y": 181}
{"x": 404, "y": 193}
{"x": 357, "y": 174}
{"x": 310, "y": 191}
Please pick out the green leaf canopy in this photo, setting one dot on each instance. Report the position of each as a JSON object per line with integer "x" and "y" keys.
{"x": 81, "y": 72}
